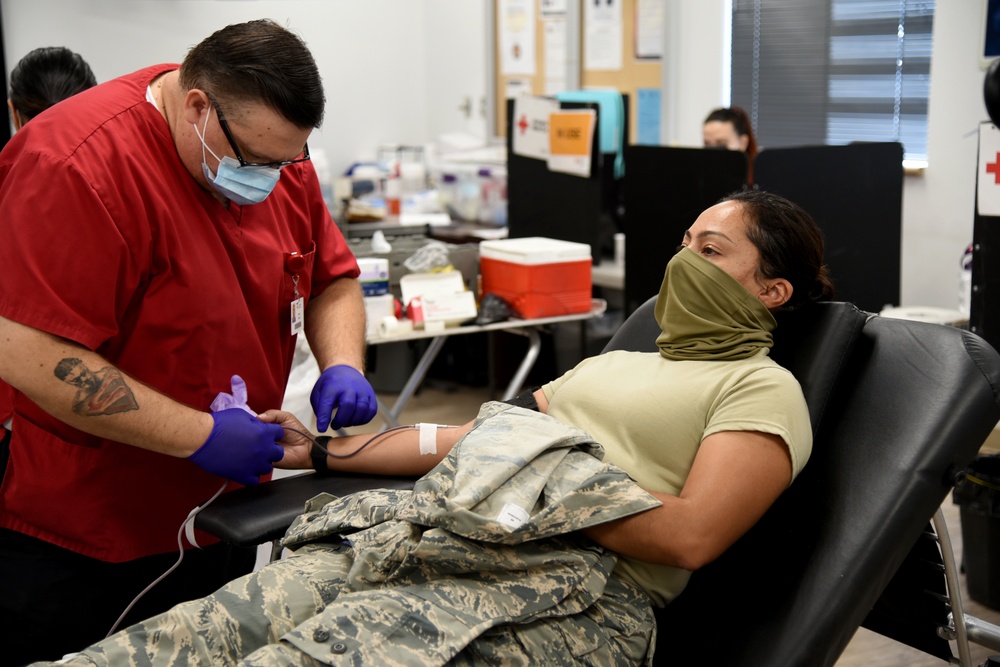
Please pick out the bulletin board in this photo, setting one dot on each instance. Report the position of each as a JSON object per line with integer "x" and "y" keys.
{"x": 635, "y": 73}
{"x": 535, "y": 84}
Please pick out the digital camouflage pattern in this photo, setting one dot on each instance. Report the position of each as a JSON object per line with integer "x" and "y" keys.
{"x": 475, "y": 566}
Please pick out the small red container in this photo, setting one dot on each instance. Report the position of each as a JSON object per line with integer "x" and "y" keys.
{"x": 539, "y": 277}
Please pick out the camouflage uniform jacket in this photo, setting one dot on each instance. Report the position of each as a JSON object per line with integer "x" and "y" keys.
{"x": 474, "y": 566}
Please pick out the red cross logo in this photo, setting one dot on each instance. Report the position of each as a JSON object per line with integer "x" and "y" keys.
{"x": 522, "y": 124}
{"x": 994, "y": 168}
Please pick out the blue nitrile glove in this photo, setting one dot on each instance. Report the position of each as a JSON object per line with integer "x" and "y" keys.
{"x": 347, "y": 390}
{"x": 240, "y": 447}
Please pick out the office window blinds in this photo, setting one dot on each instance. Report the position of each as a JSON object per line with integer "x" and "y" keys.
{"x": 834, "y": 71}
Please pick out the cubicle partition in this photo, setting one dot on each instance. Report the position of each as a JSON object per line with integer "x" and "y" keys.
{"x": 542, "y": 202}
{"x": 855, "y": 193}
{"x": 984, "y": 307}
{"x": 984, "y": 316}
{"x": 664, "y": 192}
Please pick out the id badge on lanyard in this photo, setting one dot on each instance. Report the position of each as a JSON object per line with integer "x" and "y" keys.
{"x": 298, "y": 321}
{"x": 295, "y": 263}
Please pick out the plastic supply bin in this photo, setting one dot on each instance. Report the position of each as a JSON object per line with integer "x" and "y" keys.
{"x": 537, "y": 276}
{"x": 977, "y": 494}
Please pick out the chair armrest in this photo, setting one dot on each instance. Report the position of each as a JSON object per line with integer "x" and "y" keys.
{"x": 262, "y": 513}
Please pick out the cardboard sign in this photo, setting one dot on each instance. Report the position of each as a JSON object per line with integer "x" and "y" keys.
{"x": 531, "y": 125}
{"x": 571, "y": 135}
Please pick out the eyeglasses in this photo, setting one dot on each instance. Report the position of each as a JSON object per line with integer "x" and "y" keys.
{"x": 239, "y": 156}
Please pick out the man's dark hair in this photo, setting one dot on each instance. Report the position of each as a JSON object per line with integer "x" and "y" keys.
{"x": 45, "y": 76}
{"x": 258, "y": 61}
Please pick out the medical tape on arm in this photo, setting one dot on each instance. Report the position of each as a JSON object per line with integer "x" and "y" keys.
{"x": 428, "y": 438}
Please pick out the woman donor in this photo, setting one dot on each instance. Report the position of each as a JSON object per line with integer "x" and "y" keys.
{"x": 710, "y": 427}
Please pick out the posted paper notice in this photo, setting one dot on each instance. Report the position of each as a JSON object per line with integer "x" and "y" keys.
{"x": 517, "y": 37}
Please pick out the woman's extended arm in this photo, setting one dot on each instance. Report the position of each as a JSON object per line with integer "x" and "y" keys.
{"x": 735, "y": 477}
{"x": 392, "y": 452}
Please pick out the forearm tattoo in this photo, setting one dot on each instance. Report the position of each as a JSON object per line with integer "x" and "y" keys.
{"x": 103, "y": 392}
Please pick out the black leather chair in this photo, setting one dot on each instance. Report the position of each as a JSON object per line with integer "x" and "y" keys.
{"x": 898, "y": 409}
{"x": 897, "y": 414}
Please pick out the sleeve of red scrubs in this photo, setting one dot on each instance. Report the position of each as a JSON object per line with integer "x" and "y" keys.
{"x": 68, "y": 269}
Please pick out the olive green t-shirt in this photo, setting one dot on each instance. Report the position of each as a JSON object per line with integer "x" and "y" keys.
{"x": 651, "y": 414}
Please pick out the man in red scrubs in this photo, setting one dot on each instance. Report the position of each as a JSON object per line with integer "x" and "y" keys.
{"x": 163, "y": 232}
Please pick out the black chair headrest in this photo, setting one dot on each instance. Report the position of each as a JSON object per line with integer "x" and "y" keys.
{"x": 814, "y": 342}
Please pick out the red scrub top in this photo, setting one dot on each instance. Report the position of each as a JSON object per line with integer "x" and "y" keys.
{"x": 110, "y": 242}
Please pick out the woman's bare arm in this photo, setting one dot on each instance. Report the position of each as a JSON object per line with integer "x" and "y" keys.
{"x": 392, "y": 452}
{"x": 736, "y": 476}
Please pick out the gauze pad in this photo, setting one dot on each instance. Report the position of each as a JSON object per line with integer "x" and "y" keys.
{"x": 428, "y": 438}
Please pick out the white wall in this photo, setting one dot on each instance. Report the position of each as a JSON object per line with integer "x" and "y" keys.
{"x": 456, "y": 65}
{"x": 695, "y": 63}
{"x": 938, "y": 206}
{"x": 388, "y": 66}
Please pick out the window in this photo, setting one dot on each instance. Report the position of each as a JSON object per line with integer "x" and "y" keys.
{"x": 834, "y": 71}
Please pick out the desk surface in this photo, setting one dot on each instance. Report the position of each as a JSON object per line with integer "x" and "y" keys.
{"x": 597, "y": 308}
{"x": 529, "y": 328}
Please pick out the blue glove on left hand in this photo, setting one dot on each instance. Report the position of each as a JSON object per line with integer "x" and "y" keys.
{"x": 347, "y": 390}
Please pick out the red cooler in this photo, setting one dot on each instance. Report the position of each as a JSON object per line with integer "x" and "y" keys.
{"x": 539, "y": 277}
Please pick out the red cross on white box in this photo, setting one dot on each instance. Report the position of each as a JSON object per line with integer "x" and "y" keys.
{"x": 988, "y": 176}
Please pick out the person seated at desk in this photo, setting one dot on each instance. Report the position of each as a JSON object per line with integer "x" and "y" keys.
{"x": 730, "y": 128}
{"x": 42, "y": 78}
{"x": 457, "y": 571}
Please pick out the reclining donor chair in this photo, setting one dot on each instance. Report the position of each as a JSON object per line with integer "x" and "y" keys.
{"x": 898, "y": 410}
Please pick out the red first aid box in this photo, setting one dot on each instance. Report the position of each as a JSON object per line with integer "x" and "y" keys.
{"x": 537, "y": 276}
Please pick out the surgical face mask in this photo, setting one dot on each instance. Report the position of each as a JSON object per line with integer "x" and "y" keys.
{"x": 243, "y": 185}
